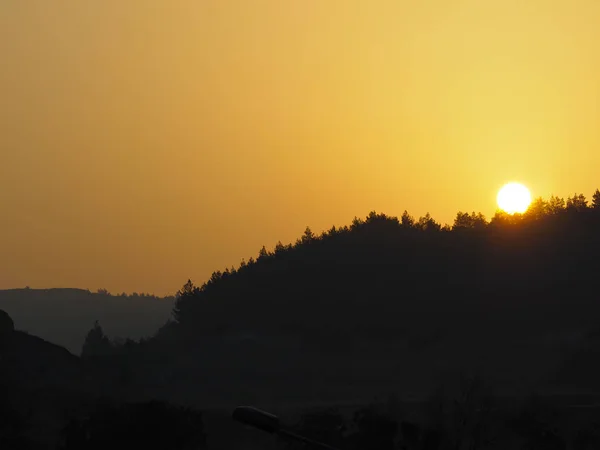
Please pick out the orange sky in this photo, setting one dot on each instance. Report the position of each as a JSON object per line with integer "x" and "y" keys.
{"x": 144, "y": 142}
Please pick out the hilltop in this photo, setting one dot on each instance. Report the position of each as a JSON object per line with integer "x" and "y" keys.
{"x": 390, "y": 304}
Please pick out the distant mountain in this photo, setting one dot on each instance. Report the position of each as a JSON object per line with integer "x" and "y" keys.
{"x": 64, "y": 316}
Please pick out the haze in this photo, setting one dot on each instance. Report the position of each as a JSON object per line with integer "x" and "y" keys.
{"x": 146, "y": 142}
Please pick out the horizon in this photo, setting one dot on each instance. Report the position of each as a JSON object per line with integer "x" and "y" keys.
{"x": 145, "y": 144}
{"x": 536, "y": 208}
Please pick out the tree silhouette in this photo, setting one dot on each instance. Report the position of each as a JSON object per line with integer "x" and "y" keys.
{"x": 556, "y": 205}
{"x": 469, "y": 221}
{"x": 462, "y": 220}
{"x": 307, "y": 237}
{"x": 427, "y": 223}
{"x": 378, "y": 288}
{"x": 376, "y": 248}
{"x": 184, "y": 306}
{"x": 537, "y": 209}
{"x": 381, "y": 281}
{"x": 263, "y": 253}
{"x": 96, "y": 343}
{"x": 407, "y": 220}
{"x": 596, "y": 200}
{"x": 577, "y": 203}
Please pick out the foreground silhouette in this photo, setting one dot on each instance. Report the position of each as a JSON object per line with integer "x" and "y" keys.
{"x": 384, "y": 306}
{"x": 150, "y": 425}
{"x": 396, "y": 303}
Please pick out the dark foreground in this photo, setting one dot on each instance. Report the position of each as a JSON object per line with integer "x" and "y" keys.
{"x": 466, "y": 415}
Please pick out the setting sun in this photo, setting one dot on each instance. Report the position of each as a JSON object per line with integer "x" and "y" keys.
{"x": 514, "y": 198}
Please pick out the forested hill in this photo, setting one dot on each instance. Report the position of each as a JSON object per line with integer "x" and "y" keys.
{"x": 384, "y": 305}
{"x": 383, "y": 272}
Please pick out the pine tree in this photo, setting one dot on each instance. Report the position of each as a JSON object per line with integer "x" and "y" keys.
{"x": 96, "y": 343}
{"x": 596, "y": 200}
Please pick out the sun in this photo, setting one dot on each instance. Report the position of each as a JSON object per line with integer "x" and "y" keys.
{"x": 514, "y": 198}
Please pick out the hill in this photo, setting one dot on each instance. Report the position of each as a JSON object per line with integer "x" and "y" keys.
{"x": 389, "y": 305}
{"x": 40, "y": 379}
{"x": 63, "y": 316}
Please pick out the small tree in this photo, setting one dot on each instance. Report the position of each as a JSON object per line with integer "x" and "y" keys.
{"x": 537, "y": 209}
{"x": 96, "y": 343}
{"x": 356, "y": 223}
{"x": 555, "y": 205}
{"x": 478, "y": 220}
{"x": 577, "y": 203}
{"x": 184, "y": 299}
{"x": 263, "y": 253}
{"x": 407, "y": 220}
{"x": 280, "y": 248}
{"x": 427, "y": 223}
{"x": 187, "y": 289}
{"x": 596, "y": 200}
{"x": 308, "y": 236}
{"x": 462, "y": 220}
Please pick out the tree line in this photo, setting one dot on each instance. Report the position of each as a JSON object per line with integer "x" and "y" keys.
{"x": 384, "y": 247}
{"x": 378, "y": 281}
{"x": 387, "y": 247}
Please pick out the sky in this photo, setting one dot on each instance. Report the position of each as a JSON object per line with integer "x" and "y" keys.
{"x": 145, "y": 142}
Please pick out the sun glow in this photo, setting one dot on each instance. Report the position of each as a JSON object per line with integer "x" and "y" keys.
{"x": 514, "y": 198}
